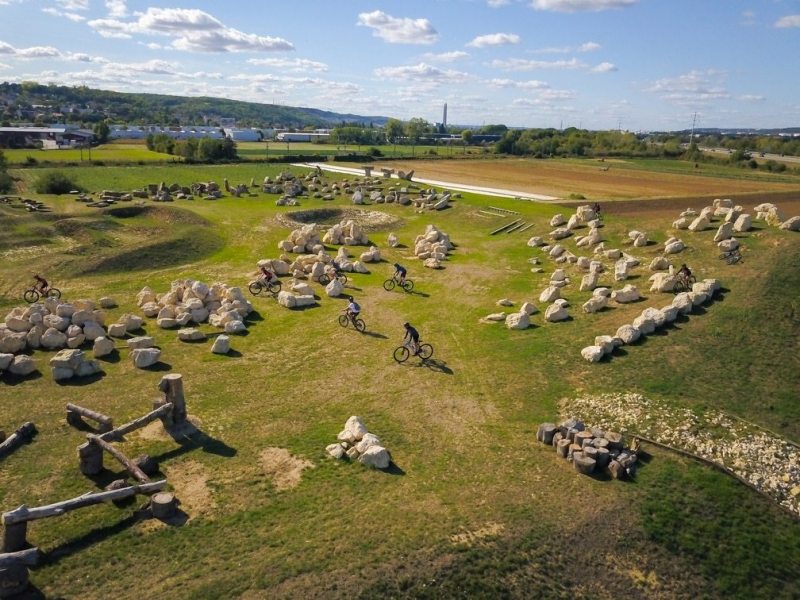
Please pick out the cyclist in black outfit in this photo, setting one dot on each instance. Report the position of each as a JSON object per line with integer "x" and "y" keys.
{"x": 412, "y": 335}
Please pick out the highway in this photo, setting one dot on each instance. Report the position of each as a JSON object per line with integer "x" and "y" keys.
{"x": 791, "y": 160}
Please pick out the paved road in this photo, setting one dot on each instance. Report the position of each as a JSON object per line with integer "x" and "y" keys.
{"x": 767, "y": 156}
{"x": 456, "y": 187}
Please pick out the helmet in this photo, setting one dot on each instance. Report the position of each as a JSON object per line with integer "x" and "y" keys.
{"x": 350, "y": 298}
{"x": 406, "y": 324}
{"x": 396, "y": 265}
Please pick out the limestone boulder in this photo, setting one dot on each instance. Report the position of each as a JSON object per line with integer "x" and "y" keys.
{"x": 376, "y": 457}
{"x": 743, "y": 223}
{"x": 629, "y": 293}
{"x": 699, "y": 224}
{"x": 141, "y": 342}
{"x": 556, "y": 312}
{"x": 628, "y": 334}
{"x": 494, "y": 318}
{"x": 335, "y": 451}
{"x": 560, "y": 233}
{"x": 334, "y": 289}
{"x": 505, "y": 302}
{"x": 645, "y": 325}
{"x": 589, "y": 282}
{"x": 518, "y": 320}
{"x": 191, "y": 335}
{"x": 117, "y": 330}
{"x": 52, "y": 339}
{"x": 529, "y": 308}
{"x": 681, "y": 223}
{"x": 792, "y": 224}
{"x": 354, "y": 430}
{"x": 594, "y": 304}
{"x": 22, "y": 366}
{"x": 303, "y": 289}
{"x": 68, "y": 359}
{"x": 535, "y": 242}
{"x": 107, "y": 302}
{"x": 550, "y": 294}
{"x": 592, "y": 354}
{"x": 683, "y": 303}
{"x": 221, "y": 345}
{"x": 557, "y": 220}
{"x": 5, "y": 361}
{"x": 728, "y": 245}
{"x": 674, "y": 247}
{"x": 167, "y": 323}
{"x": 663, "y": 282}
{"x": 286, "y": 299}
{"x": 145, "y": 357}
{"x": 103, "y": 346}
{"x": 236, "y": 326}
{"x": 724, "y": 232}
{"x": 659, "y": 263}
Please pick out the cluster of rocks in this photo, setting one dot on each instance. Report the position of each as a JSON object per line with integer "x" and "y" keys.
{"x": 72, "y": 363}
{"x": 762, "y": 459}
{"x": 772, "y": 215}
{"x": 432, "y": 247}
{"x": 285, "y": 183}
{"x": 592, "y": 450}
{"x": 348, "y": 233}
{"x": 520, "y": 319}
{"x": 301, "y": 295}
{"x": 190, "y": 301}
{"x": 302, "y": 240}
{"x": 584, "y": 215}
{"x": 357, "y": 443}
{"x": 652, "y": 319}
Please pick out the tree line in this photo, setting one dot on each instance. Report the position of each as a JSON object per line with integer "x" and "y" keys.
{"x": 194, "y": 149}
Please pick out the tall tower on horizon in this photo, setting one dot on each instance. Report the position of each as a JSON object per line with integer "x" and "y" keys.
{"x": 444, "y": 115}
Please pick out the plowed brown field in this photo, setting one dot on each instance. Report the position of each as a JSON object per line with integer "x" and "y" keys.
{"x": 593, "y": 179}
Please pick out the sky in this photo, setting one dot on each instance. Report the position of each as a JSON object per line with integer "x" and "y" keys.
{"x": 639, "y": 65}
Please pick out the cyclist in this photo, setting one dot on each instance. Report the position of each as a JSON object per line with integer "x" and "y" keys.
{"x": 353, "y": 309}
{"x": 266, "y": 275}
{"x": 41, "y": 284}
{"x": 331, "y": 271}
{"x": 412, "y": 336}
{"x": 399, "y": 273}
{"x": 684, "y": 272}
{"x": 596, "y": 209}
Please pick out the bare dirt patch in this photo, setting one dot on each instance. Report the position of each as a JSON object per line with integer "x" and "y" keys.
{"x": 478, "y": 536}
{"x": 190, "y": 480}
{"x": 284, "y": 469}
{"x": 369, "y": 220}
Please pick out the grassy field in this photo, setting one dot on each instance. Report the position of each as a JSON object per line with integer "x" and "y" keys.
{"x": 475, "y": 507}
{"x": 595, "y": 180}
{"x": 261, "y": 150}
{"x": 112, "y": 153}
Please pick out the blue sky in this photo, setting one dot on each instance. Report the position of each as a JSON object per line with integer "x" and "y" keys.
{"x": 641, "y": 64}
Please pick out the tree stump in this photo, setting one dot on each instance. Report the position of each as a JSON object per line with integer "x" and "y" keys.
{"x": 616, "y": 470}
{"x": 614, "y": 440}
{"x": 13, "y": 580}
{"x": 589, "y": 452}
{"x": 583, "y": 464}
{"x": 581, "y": 438}
{"x": 557, "y": 436}
{"x": 546, "y": 432}
{"x": 602, "y": 457}
{"x": 600, "y": 442}
{"x": 15, "y": 537}
{"x": 90, "y": 458}
{"x": 573, "y": 448}
{"x": 563, "y": 447}
{"x": 163, "y": 505}
{"x": 172, "y": 386}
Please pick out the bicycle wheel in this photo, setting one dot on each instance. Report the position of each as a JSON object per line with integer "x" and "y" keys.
{"x": 360, "y": 325}
{"x": 692, "y": 280}
{"x": 31, "y": 296}
{"x": 342, "y": 278}
{"x": 408, "y": 285}
{"x": 343, "y": 320}
{"x": 54, "y": 293}
{"x": 724, "y": 255}
{"x": 274, "y": 287}
{"x": 324, "y": 279}
{"x": 388, "y": 285}
{"x": 733, "y": 259}
{"x": 401, "y": 354}
{"x": 255, "y": 288}
{"x": 425, "y": 351}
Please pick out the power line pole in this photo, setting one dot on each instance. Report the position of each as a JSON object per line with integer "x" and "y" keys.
{"x": 694, "y": 121}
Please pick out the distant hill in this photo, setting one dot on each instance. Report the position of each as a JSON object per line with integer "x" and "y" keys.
{"x": 29, "y": 100}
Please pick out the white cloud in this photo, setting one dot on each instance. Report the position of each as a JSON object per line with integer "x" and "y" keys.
{"x": 32, "y": 52}
{"x": 533, "y": 84}
{"x": 445, "y": 57}
{"x": 580, "y": 5}
{"x": 4, "y": 66}
{"x": 397, "y": 30}
{"x": 74, "y": 4}
{"x": 497, "y": 3}
{"x": 557, "y": 95}
{"x": 585, "y": 47}
{"x": 116, "y": 8}
{"x": 291, "y": 64}
{"x": 748, "y": 18}
{"x": 751, "y": 98}
{"x": 494, "y": 39}
{"x": 522, "y": 64}
{"x": 788, "y": 21}
{"x": 191, "y": 30}
{"x": 692, "y": 88}
{"x": 423, "y": 72}
{"x": 75, "y": 17}
{"x": 605, "y": 67}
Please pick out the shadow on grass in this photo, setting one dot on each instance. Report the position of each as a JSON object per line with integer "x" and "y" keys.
{"x": 435, "y": 365}
{"x": 92, "y": 537}
{"x": 112, "y": 358}
{"x": 158, "y": 367}
{"x": 376, "y": 335}
{"x": 81, "y": 381}
{"x": 418, "y": 293}
{"x": 191, "y": 438}
{"x": 34, "y": 593}
{"x": 393, "y": 469}
{"x": 13, "y": 380}
{"x": 254, "y": 316}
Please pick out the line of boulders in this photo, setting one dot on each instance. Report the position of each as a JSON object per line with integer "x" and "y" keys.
{"x": 520, "y": 319}
{"x": 347, "y": 232}
{"x": 357, "y": 443}
{"x": 590, "y": 450}
{"x": 432, "y": 247}
{"x": 190, "y": 301}
{"x": 652, "y": 319}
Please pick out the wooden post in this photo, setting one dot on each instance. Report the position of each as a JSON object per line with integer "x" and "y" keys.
{"x": 27, "y": 557}
{"x": 90, "y": 459}
{"x": 15, "y": 537}
{"x": 163, "y": 505}
{"x": 23, "y": 434}
{"x": 135, "y": 471}
{"x": 75, "y": 412}
{"x": 172, "y": 386}
{"x": 13, "y": 580}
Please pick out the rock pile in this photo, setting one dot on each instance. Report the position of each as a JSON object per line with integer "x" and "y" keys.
{"x": 432, "y": 247}
{"x": 348, "y": 233}
{"x": 357, "y": 443}
{"x": 651, "y": 319}
{"x": 72, "y": 363}
{"x": 302, "y": 240}
{"x": 590, "y": 450}
{"x": 190, "y": 301}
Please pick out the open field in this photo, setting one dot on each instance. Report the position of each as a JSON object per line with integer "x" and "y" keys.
{"x": 260, "y": 150}
{"x": 475, "y": 507}
{"x": 607, "y": 180}
{"x": 112, "y": 153}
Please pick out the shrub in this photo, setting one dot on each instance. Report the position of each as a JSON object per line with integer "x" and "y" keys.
{"x": 30, "y": 160}
{"x": 374, "y": 152}
{"x": 55, "y": 182}
{"x": 575, "y": 196}
{"x": 6, "y": 182}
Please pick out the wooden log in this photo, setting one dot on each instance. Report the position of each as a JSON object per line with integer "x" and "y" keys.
{"x": 163, "y": 505}
{"x": 119, "y": 432}
{"x": 583, "y": 464}
{"x": 172, "y": 387}
{"x": 14, "y": 580}
{"x": 24, "y": 514}
{"x": 546, "y": 432}
{"x": 126, "y": 462}
{"x": 582, "y": 437}
{"x": 617, "y": 470}
{"x": 499, "y": 229}
{"x": 528, "y": 226}
{"x": 504, "y": 210}
{"x": 27, "y": 557}
{"x": 75, "y": 412}
{"x": 572, "y": 449}
{"x": 557, "y": 437}
{"x": 90, "y": 459}
{"x": 562, "y": 448}
{"x": 23, "y": 434}
{"x": 602, "y": 457}
{"x": 515, "y": 227}
{"x": 600, "y": 443}
{"x": 589, "y": 452}
{"x": 15, "y": 537}
{"x": 614, "y": 440}
{"x": 147, "y": 464}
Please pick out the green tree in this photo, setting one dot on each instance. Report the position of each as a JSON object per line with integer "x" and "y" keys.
{"x": 101, "y": 132}
{"x": 415, "y": 129}
{"x": 466, "y": 138}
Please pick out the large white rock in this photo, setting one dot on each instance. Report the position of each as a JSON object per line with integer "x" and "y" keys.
{"x": 518, "y": 320}
{"x": 529, "y": 308}
{"x": 22, "y": 365}
{"x": 93, "y": 330}
{"x": 141, "y": 342}
{"x": 392, "y": 240}
{"x": 663, "y": 282}
{"x": 743, "y": 223}
{"x": 682, "y": 223}
{"x": 5, "y": 361}
{"x": 79, "y": 317}
{"x": 792, "y": 224}
{"x": 334, "y": 289}
{"x": 354, "y": 430}
{"x": 369, "y": 439}
{"x": 68, "y": 359}
{"x": 65, "y": 310}
{"x": 589, "y": 281}
{"x": 376, "y": 457}
{"x": 221, "y": 345}
{"x": 286, "y": 299}
{"x": 592, "y": 353}
{"x": 683, "y": 303}
{"x": 674, "y": 247}
{"x": 102, "y": 347}
{"x": 303, "y": 289}
{"x": 595, "y": 303}
{"x": 359, "y": 267}
{"x": 550, "y": 293}
{"x": 167, "y": 323}
{"x": 556, "y": 312}
{"x": 235, "y": 327}
{"x": 621, "y": 270}
{"x": 659, "y": 263}
{"x": 131, "y": 322}
{"x": 106, "y": 302}
{"x": 17, "y": 324}
{"x": 629, "y": 293}
{"x": 607, "y": 343}
{"x": 145, "y": 357}
{"x": 535, "y": 242}
{"x": 628, "y": 334}
{"x": 303, "y": 300}
{"x": 724, "y": 232}
{"x": 494, "y": 318}
{"x": 52, "y": 338}
{"x": 560, "y": 233}
{"x": 699, "y": 224}
{"x": 645, "y": 325}
{"x": 191, "y": 335}
{"x": 557, "y": 220}
{"x": 117, "y": 330}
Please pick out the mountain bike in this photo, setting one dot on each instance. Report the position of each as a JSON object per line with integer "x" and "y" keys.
{"x": 32, "y": 294}
{"x": 354, "y": 320}
{"x": 259, "y": 285}
{"x": 325, "y": 279}
{"x": 731, "y": 256}
{"x": 390, "y": 284}
{"x": 402, "y": 353}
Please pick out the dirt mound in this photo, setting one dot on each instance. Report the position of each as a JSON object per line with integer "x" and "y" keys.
{"x": 369, "y": 220}
{"x": 162, "y": 213}
{"x": 284, "y": 469}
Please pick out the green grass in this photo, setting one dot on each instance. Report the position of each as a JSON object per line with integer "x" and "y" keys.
{"x": 461, "y": 432}
{"x": 261, "y": 150}
{"x": 111, "y": 153}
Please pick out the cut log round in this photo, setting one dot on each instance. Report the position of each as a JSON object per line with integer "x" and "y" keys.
{"x": 582, "y": 437}
{"x": 29, "y": 558}
{"x": 126, "y": 462}
{"x": 557, "y": 436}
{"x": 147, "y": 464}
{"x": 546, "y": 432}
{"x": 90, "y": 459}
{"x": 23, "y": 434}
{"x": 75, "y": 412}
{"x": 583, "y": 464}
{"x": 589, "y": 452}
{"x": 573, "y": 448}
{"x": 13, "y": 580}
{"x": 562, "y": 448}
{"x": 616, "y": 470}
{"x": 602, "y": 458}
{"x": 163, "y": 505}
{"x": 172, "y": 386}
{"x": 614, "y": 440}
{"x": 600, "y": 443}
